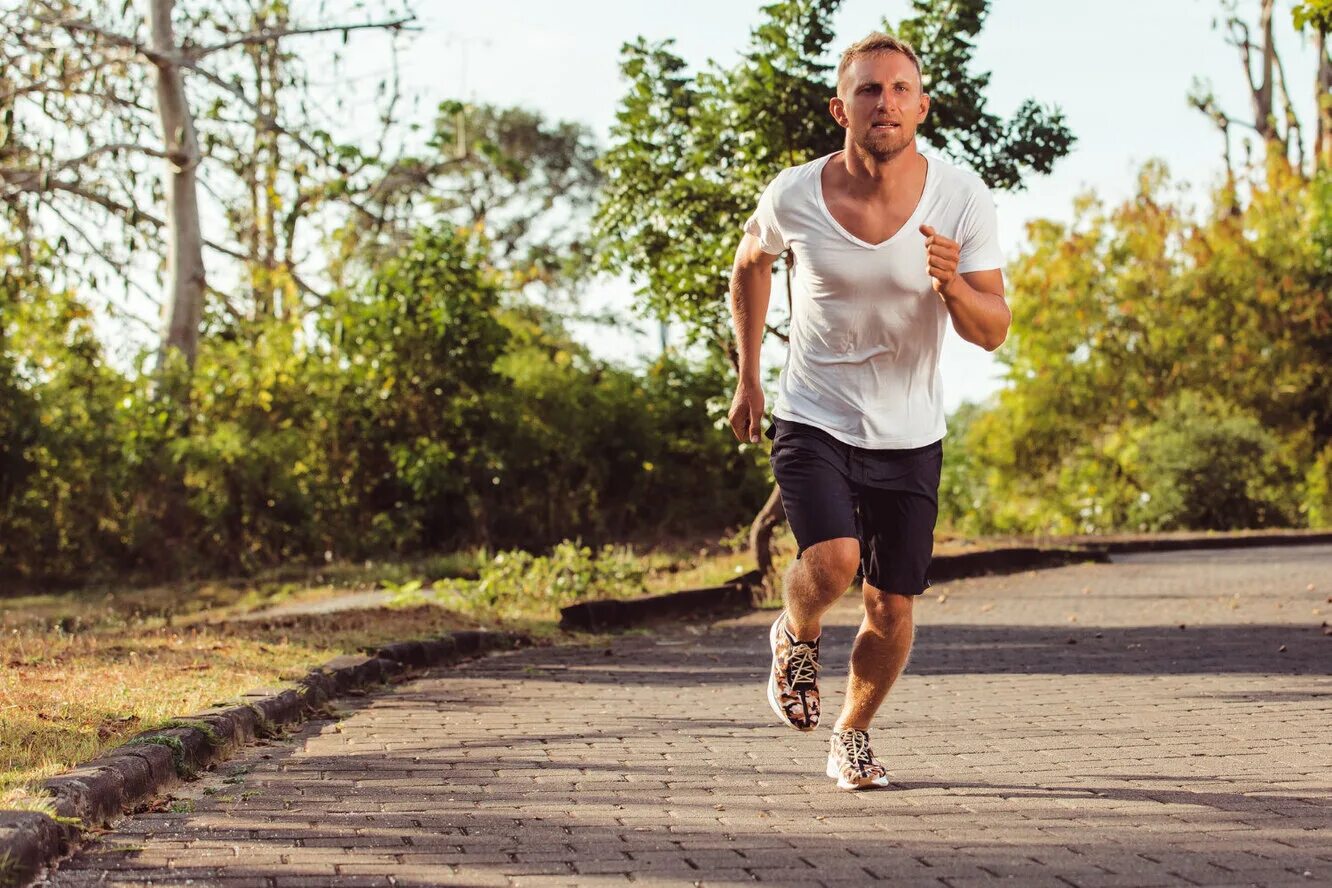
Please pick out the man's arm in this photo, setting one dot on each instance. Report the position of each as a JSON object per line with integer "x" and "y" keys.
{"x": 975, "y": 299}
{"x": 751, "y": 290}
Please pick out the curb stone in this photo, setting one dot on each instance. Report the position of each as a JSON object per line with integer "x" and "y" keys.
{"x": 1011, "y": 560}
{"x": 95, "y": 793}
{"x": 730, "y": 599}
{"x": 736, "y": 596}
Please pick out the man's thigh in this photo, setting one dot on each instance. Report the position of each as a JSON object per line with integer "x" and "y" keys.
{"x": 819, "y": 502}
{"x": 895, "y": 522}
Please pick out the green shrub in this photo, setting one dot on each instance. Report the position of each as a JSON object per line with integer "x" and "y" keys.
{"x": 1209, "y": 466}
{"x": 518, "y": 580}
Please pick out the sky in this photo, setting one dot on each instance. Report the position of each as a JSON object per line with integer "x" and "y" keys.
{"x": 1120, "y": 73}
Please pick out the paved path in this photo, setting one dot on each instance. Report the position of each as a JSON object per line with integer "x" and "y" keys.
{"x": 1163, "y": 720}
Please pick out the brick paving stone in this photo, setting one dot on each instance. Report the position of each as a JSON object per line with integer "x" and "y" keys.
{"x": 1140, "y": 755}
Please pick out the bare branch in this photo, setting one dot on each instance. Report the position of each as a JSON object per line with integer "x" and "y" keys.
{"x": 25, "y": 181}
{"x": 1293, "y": 128}
{"x": 109, "y": 149}
{"x": 1240, "y": 38}
{"x": 271, "y": 36}
{"x": 272, "y": 125}
{"x": 117, "y": 266}
{"x": 227, "y": 251}
{"x": 226, "y": 303}
{"x": 111, "y": 38}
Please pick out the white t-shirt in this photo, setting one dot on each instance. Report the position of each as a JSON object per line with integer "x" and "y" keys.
{"x": 867, "y": 327}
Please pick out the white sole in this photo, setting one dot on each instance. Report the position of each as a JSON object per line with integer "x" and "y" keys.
{"x": 842, "y": 783}
{"x": 772, "y": 684}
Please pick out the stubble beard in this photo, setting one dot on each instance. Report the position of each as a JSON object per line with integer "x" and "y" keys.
{"x": 882, "y": 149}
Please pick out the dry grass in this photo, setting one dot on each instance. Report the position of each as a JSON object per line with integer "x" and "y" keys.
{"x": 84, "y": 670}
{"x": 65, "y": 696}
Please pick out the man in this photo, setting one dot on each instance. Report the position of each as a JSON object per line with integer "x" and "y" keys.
{"x": 887, "y": 245}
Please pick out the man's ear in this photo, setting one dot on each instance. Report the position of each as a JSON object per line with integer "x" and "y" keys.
{"x": 924, "y": 108}
{"x": 837, "y": 108}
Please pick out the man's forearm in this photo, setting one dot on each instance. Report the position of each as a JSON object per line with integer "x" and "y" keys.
{"x": 979, "y": 317}
{"x": 751, "y": 288}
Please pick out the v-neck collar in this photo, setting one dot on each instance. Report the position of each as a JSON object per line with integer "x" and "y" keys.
{"x": 832, "y": 220}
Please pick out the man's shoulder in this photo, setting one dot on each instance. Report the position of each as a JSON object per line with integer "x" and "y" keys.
{"x": 958, "y": 178}
{"x": 795, "y": 176}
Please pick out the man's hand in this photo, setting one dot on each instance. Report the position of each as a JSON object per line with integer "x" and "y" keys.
{"x": 941, "y": 256}
{"x": 747, "y": 411}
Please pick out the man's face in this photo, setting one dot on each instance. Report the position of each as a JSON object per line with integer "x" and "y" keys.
{"x": 880, "y": 104}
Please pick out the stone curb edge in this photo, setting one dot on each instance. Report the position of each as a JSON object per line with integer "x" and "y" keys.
{"x": 737, "y": 596}
{"x": 97, "y": 792}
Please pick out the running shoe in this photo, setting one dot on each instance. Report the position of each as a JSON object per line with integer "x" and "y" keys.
{"x": 852, "y": 764}
{"x": 793, "y": 689}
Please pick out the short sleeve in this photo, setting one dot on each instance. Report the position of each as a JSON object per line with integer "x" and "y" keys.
{"x": 763, "y": 223}
{"x": 978, "y": 235}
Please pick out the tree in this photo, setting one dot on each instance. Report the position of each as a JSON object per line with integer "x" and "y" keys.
{"x": 1137, "y": 317}
{"x": 1316, "y": 15}
{"x": 690, "y": 154}
{"x": 92, "y": 98}
{"x": 1272, "y": 114}
{"x": 527, "y": 182}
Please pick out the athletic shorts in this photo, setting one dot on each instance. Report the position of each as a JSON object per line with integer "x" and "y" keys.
{"x": 886, "y": 499}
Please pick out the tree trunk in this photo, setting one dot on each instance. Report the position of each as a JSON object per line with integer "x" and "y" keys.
{"x": 760, "y": 535}
{"x": 185, "y": 268}
{"x": 1261, "y": 94}
{"x": 1323, "y": 96}
{"x": 773, "y": 512}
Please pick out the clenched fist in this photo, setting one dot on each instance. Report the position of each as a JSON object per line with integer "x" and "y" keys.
{"x": 941, "y": 255}
{"x": 747, "y": 412}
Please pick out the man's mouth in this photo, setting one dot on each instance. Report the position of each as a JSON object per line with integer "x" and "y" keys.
{"x": 884, "y": 126}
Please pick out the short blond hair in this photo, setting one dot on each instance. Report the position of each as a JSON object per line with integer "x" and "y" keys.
{"x": 875, "y": 42}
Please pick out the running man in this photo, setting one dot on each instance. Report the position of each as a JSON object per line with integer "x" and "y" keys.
{"x": 888, "y": 243}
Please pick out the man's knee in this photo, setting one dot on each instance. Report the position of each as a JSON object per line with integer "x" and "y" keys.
{"x": 833, "y": 563}
{"x": 888, "y": 611}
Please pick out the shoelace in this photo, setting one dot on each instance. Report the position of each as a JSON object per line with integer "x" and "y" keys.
{"x": 856, "y": 746}
{"x": 802, "y": 668}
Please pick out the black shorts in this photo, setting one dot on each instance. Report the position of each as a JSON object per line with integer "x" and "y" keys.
{"x": 887, "y": 499}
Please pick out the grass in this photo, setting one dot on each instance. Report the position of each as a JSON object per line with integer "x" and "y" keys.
{"x": 81, "y": 676}
{"x": 84, "y": 670}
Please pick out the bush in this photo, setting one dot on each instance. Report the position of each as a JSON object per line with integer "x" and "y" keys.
{"x": 1207, "y": 465}
{"x": 1316, "y": 504}
{"x": 421, "y": 413}
{"x": 516, "y": 579}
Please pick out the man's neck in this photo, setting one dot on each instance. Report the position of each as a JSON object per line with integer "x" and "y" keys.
{"x": 868, "y": 175}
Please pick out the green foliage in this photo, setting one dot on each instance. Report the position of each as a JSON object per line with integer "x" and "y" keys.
{"x": 423, "y": 412}
{"x": 1209, "y": 467}
{"x": 1317, "y": 501}
{"x": 1003, "y": 152}
{"x": 63, "y": 482}
{"x": 410, "y": 364}
{"x": 1164, "y": 371}
{"x": 1316, "y": 14}
{"x": 518, "y": 173}
{"x": 691, "y": 153}
{"x": 571, "y": 572}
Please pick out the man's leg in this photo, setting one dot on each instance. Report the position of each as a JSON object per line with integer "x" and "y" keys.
{"x": 815, "y": 581}
{"x": 898, "y": 528}
{"x": 878, "y": 656}
{"x": 820, "y": 507}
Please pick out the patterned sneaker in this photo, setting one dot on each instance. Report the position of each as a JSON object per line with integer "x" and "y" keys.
{"x": 793, "y": 689}
{"x": 852, "y": 764}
